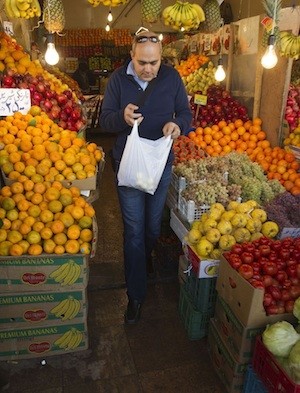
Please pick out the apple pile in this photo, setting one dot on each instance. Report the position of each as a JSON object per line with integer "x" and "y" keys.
{"x": 220, "y": 106}
{"x": 60, "y": 106}
{"x": 273, "y": 266}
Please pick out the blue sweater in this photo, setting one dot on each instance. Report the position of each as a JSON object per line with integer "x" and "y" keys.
{"x": 167, "y": 102}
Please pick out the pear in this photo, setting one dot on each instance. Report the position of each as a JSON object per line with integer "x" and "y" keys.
{"x": 253, "y": 225}
{"x": 259, "y": 214}
{"x": 215, "y": 214}
{"x": 227, "y": 215}
{"x": 204, "y": 248}
{"x": 194, "y": 236}
{"x": 241, "y": 235}
{"x": 232, "y": 205}
{"x": 224, "y": 227}
{"x": 255, "y": 236}
{"x": 195, "y": 224}
{"x": 216, "y": 253}
{"x": 243, "y": 207}
{"x": 270, "y": 229}
{"x": 218, "y": 206}
{"x": 209, "y": 223}
{"x": 213, "y": 235}
{"x": 239, "y": 220}
{"x": 226, "y": 242}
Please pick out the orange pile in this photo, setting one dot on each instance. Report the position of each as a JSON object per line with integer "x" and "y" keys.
{"x": 193, "y": 63}
{"x": 44, "y": 218}
{"x": 37, "y": 148}
{"x": 249, "y": 138}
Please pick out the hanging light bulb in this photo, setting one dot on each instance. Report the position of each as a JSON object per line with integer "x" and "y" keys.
{"x": 51, "y": 54}
{"x": 109, "y": 16}
{"x": 269, "y": 59}
{"x": 220, "y": 74}
{"x": 107, "y": 27}
{"x": 161, "y": 37}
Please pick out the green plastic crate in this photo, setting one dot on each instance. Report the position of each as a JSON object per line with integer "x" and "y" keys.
{"x": 202, "y": 292}
{"x": 195, "y": 321}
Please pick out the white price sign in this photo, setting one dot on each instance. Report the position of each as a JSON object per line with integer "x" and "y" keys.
{"x": 290, "y": 232}
{"x": 8, "y": 28}
{"x": 14, "y": 100}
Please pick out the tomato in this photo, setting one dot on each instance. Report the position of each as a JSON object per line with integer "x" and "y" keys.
{"x": 298, "y": 269}
{"x": 274, "y": 291}
{"x": 286, "y": 284}
{"x": 247, "y": 257}
{"x": 265, "y": 240}
{"x": 291, "y": 271}
{"x": 256, "y": 254}
{"x": 270, "y": 268}
{"x": 235, "y": 261}
{"x": 267, "y": 300}
{"x": 284, "y": 253}
{"x": 294, "y": 291}
{"x": 256, "y": 267}
{"x": 248, "y": 247}
{"x": 272, "y": 309}
{"x": 264, "y": 249}
{"x": 281, "y": 276}
{"x": 281, "y": 264}
{"x": 276, "y": 245}
{"x": 237, "y": 248}
{"x": 256, "y": 283}
{"x": 289, "y": 305}
{"x": 267, "y": 280}
{"x": 285, "y": 295}
{"x": 246, "y": 271}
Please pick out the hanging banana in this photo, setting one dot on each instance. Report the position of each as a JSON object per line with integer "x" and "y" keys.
{"x": 183, "y": 16}
{"x": 289, "y": 45}
{"x": 23, "y": 9}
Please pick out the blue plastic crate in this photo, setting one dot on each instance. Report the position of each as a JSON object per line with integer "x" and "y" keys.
{"x": 252, "y": 383}
{"x": 202, "y": 292}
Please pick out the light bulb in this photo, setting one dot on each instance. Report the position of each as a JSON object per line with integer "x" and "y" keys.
{"x": 107, "y": 27}
{"x": 220, "y": 73}
{"x": 160, "y": 37}
{"x": 109, "y": 16}
{"x": 51, "y": 55}
{"x": 269, "y": 59}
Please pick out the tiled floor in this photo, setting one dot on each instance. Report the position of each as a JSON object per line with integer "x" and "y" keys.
{"x": 154, "y": 356}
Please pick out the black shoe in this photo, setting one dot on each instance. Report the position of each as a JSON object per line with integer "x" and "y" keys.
{"x": 150, "y": 268}
{"x": 133, "y": 312}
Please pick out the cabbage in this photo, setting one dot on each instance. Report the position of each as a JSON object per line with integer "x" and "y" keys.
{"x": 294, "y": 362}
{"x": 279, "y": 338}
{"x": 296, "y": 309}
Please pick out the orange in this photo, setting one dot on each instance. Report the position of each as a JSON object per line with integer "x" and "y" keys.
{"x": 60, "y": 238}
{"x": 16, "y": 250}
{"x": 46, "y": 233}
{"x": 86, "y": 235}
{"x": 49, "y": 246}
{"x": 52, "y": 194}
{"x": 73, "y": 232}
{"x": 35, "y": 249}
{"x": 46, "y": 216}
{"x": 57, "y": 226}
{"x": 14, "y": 236}
{"x": 33, "y": 237}
{"x": 59, "y": 249}
{"x": 72, "y": 246}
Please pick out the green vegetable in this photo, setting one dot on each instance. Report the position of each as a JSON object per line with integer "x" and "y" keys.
{"x": 279, "y": 338}
{"x": 294, "y": 362}
{"x": 296, "y": 309}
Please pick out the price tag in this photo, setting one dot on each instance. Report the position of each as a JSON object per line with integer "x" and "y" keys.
{"x": 8, "y": 28}
{"x": 14, "y": 100}
{"x": 268, "y": 23}
{"x": 200, "y": 99}
{"x": 290, "y": 232}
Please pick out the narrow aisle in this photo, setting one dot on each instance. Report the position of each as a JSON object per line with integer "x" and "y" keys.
{"x": 153, "y": 356}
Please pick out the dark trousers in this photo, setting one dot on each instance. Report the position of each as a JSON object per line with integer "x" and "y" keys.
{"x": 142, "y": 216}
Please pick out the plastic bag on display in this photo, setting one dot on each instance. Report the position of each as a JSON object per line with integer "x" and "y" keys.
{"x": 143, "y": 161}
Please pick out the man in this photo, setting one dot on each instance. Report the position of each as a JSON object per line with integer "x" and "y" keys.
{"x": 165, "y": 111}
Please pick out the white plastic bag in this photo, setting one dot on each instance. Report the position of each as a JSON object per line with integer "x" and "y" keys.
{"x": 143, "y": 161}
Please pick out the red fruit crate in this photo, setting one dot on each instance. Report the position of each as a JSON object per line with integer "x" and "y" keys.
{"x": 273, "y": 376}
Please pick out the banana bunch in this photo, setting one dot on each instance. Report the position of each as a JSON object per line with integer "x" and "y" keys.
{"x": 70, "y": 339}
{"x": 24, "y": 9}
{"x": 289, "y": 45}
{"x": 66, "y": 309}
{"x": 108, "y": 3}
{"x": 67, "y": 274}
{"x": 183, "y": 16}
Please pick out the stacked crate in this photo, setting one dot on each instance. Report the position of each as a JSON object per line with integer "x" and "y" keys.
{"x": 239, "y": 319}
{"x": 43, "y": 305}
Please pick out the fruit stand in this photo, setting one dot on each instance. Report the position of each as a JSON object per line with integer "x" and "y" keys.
{"x": 234, "y": 197}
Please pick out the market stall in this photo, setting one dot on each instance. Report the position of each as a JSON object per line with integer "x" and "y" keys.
{"x": 234, "y": 198}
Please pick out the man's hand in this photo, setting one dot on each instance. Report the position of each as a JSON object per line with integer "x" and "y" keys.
{"x": 171, "y": 129}
{"x": 130, "y": 116}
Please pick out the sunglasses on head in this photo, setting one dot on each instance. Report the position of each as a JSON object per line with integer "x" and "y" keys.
{"x": 142, "y": 38}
